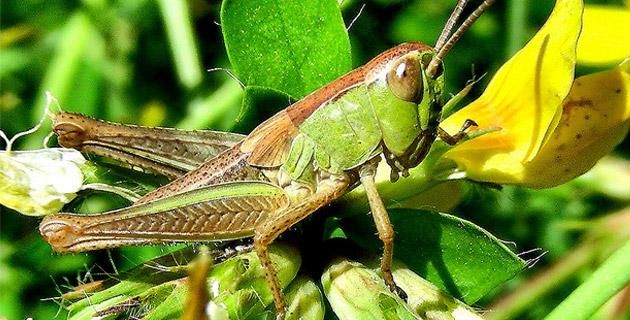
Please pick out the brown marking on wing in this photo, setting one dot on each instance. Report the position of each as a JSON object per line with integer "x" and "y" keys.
{"x": 270, "y": 142}
{"x": 299, "y": 111}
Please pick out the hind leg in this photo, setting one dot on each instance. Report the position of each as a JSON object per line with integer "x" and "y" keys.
{"x": 327, "y": 191}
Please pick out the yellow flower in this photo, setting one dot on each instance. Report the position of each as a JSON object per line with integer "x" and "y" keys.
{"x": 548, "y": 132}
{"x": 595, "y": 118}
{"x": 605, "y": 38}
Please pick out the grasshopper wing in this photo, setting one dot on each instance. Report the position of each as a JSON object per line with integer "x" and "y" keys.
{"x": 268, "y": 145}
{"x": 219, "y": 212}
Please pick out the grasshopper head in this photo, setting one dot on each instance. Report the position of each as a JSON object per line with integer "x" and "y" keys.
{"x": 407, "y": 101}
{"x": 410, "y": 117}
{"x": 413, "y": 75}
{"x": 418, "y": 76}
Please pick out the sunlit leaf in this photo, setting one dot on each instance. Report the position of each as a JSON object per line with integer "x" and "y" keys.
{"x": 454, "y": 254}
{"x": 291, "y": 46}
{"x": 259, "y": 104}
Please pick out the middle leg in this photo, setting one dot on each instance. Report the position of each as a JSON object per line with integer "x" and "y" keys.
{"x": 383, "y": 225}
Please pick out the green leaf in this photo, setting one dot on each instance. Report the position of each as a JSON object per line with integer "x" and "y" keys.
{"x": 292, "y": 46}
{"x": 259, "y": 104}
{"x": 454, "y": 254}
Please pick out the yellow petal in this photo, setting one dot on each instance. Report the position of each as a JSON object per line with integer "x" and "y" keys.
{"x": 595, "y": 118}
{"x": 524, "y": 99}
{"x": 605, "y": 37}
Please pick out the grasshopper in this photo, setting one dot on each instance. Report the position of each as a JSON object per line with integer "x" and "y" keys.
{"x": 227, "y": 186}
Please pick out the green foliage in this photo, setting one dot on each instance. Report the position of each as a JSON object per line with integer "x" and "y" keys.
{"x": 258, "y": 104}
{"x": 158, "y": 289}
{"x": 456, "y": 255}
{"x": 291, "y": 46}
{"x": 612, "y": 276}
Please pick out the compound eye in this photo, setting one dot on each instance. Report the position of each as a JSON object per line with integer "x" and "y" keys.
{"x": 404, "y": 79}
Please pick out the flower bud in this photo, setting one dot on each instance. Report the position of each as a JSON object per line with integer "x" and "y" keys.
{"x": 357, "y": 292}
{"x": 246, "y": 291}
{"x": 237, "y": 288}
{"x": 427, "y": 300}
{"x": 304, "y": 300}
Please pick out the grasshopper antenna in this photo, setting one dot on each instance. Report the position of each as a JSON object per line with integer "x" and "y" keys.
{"x": 443, "y": 50}
{"x": 450, "y": 24}
{"x": 230, "y": 74}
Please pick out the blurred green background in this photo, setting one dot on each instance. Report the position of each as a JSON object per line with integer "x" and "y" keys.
{"x": 145, "y": 62}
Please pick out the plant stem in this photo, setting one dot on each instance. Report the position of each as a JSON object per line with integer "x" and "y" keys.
{"x": 611, "y": 277}
{"x": 181, "y": 38}
{"x": 62, "y": 70}
{"x": 512, "y": 305}
{"x": 517, "y": 22}
{"x": 604, "y": 236}
{"x": 208, "y": 112}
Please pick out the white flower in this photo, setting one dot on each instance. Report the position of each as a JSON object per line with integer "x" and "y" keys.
{"x": 40, "y": 182}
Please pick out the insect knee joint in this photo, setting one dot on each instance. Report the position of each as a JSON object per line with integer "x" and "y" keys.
{"x": 386, "y": 235}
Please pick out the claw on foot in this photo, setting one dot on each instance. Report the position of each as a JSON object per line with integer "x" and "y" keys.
{"x": 280, "y": 315}
{"x": 393, "y": 287}
{"x": 399, "y": 292}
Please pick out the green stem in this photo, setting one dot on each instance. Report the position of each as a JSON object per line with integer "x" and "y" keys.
{"x": 178, "y": 24}
{"x": 517, "y": 23}
{"x": 512, "y": 305}
{"x": 62, "y": 70}
{"x": 208, "y": 112}
{"x": 611, "y": 277}
{"x": 603, "y": 235}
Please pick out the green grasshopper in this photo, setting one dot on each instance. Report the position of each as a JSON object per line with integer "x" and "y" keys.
{"x": 229, "y": 186}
